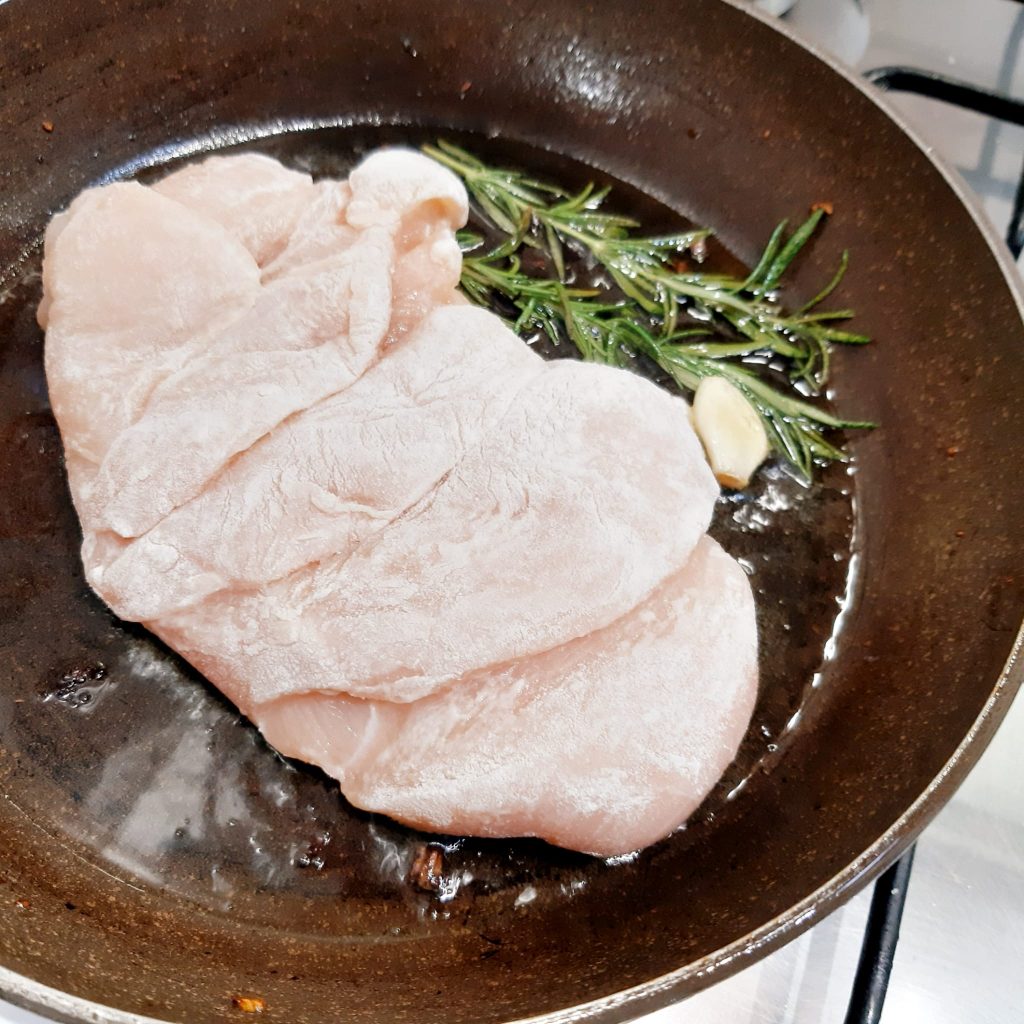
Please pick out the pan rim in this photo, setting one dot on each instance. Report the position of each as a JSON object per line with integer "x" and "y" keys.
{"x": 666, "y": 989}
{"x": 728, "y": 960}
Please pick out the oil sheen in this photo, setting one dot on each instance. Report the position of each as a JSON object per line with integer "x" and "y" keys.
{"x": 150, "y": 774}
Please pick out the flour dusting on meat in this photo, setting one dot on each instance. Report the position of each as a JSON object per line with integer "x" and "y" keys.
{"x": 470, "y": 584}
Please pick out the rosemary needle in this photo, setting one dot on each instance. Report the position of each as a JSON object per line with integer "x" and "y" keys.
{"x": 736, "y": 327}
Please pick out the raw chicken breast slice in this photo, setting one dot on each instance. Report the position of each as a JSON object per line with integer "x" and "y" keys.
{"x": 470, "y": 583}
{"x": 327, "y": 479}
{"x": 417, "y": 201}
{"x": 135, "y": 286}
{"x": 404, "y": 190}
{"x": 288, "y": 221}
{"x": 250, "y": 195}
{"x": 423, "y": 205}
{"x": 561, "y": 518}
{"x": 308, "y": 336}
{"x": 284, "y": 218}
{"x": 202, "y": 382}
{"x": 604, "y": 745}
{"x": 319, "y": 233}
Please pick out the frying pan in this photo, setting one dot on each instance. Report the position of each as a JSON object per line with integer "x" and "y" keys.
{"x": 158, "y": 861}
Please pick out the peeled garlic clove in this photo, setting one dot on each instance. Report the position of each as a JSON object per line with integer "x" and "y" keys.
{"x": 731, "y": 431}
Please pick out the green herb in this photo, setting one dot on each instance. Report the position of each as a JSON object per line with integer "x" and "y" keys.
{"x": 691, "y": 323}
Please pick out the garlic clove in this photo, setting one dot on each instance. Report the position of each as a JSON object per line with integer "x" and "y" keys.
{"x": 732, "y": 433}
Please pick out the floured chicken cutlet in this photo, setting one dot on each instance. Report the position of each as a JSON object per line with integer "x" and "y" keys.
{"x": 472, "y": 585}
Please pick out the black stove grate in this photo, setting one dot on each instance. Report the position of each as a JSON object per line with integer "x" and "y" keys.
{"x": 878, "y": 950}
{"x": 997, "y": 105}
{"x": 883, "y": 925}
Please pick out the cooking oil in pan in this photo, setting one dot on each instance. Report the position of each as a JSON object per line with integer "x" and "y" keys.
{"x": 129, "y": 755}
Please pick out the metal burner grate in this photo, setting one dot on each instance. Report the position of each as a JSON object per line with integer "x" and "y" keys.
{"x": 878, "y": 951}
{"x": 990, "y": 103}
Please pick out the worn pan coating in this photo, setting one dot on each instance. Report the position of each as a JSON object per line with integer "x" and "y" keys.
{"x": 157, "y": 861}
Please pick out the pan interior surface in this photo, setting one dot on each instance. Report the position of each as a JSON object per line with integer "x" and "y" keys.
{"x": 159, "y": 859}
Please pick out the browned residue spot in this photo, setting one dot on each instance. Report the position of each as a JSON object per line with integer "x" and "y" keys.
{"x": 47, "y": 126}
{"x": 952, "y": 451}
{"x": 825, "y": 206}
{"x": 22, "y": 904}
{"x": 427, "y": 869}
{"x": 249, "y": 1004}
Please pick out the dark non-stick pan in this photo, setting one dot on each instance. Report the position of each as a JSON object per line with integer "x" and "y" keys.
{"x": 157, "y": 860}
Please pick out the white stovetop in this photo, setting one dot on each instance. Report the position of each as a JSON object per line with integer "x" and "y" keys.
{"x": 961, "y": 950}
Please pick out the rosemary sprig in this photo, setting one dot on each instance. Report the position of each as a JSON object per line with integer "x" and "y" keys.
{"x": 734, "y": 327}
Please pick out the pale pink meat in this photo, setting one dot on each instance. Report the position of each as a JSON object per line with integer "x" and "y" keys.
{"x": 251, "y": 196}
{"x": 306, "y": 337}
{"x": 119, "y": 321}
{"x": 557, "y": 521}
{"x": 604, "y": 744}
{"x": 377, "y": 520}
{"x": 158, "y": 327}
{"x": 322, "y": 483}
